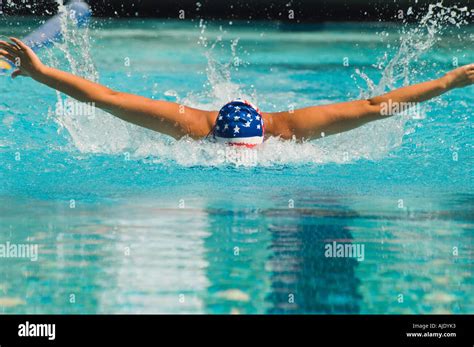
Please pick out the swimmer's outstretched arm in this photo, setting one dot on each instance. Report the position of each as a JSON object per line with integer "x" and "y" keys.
{"x": 312, "y": 122}
{"x": 165, "y": 117}
{"x": 178, "y": 121}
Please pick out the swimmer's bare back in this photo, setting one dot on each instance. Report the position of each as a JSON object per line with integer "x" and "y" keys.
{"x": 178, "y": 120}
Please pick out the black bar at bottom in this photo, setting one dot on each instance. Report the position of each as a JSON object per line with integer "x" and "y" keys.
{"x": 442, "y": 330}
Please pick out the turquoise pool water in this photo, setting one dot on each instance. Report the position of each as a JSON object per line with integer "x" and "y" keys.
{"x": 127, "y": 221}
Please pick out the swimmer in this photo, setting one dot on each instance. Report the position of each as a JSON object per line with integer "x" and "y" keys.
{"x": 238, "y": 122}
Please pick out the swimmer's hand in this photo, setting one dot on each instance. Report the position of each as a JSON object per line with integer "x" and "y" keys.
{"x": 460, "y": 77}
{"x": 25, "y": 60}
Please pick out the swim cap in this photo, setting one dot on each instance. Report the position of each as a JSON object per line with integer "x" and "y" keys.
{"x": 239, "y": 123}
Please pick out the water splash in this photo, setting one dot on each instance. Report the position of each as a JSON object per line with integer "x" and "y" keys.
{"x": 106, "y": 134}
{"x": 96, "y": 133}
{"x": 220, "y": 88}
{"x": 377, "y": 139}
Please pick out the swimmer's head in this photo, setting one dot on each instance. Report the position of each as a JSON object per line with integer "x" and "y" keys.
{"x": 239, "y": 123}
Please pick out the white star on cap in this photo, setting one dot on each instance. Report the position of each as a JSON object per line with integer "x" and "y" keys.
{"x": 218, "y": 127}
{"x": 226, "y": 126}
{"x": 220, "y": 117}
{"x": 237, "y": 108}
{"x": 236, "y": 129}
{"x": 257, "y": 118}
{"x": 247, "y": 125}
{"x": 258, "y": 126}
{"x": 236, "y": 118}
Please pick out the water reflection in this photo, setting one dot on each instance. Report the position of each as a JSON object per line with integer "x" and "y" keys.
{"x": 237, "y": 249}
{"x": 68, "y": 276}
{"x": 273, "y": 261}
{"x": 202, "y": 259}
{"x": 304, "y": 279}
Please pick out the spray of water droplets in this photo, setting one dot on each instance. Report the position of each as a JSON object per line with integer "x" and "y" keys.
{"x": 105, "y": 134}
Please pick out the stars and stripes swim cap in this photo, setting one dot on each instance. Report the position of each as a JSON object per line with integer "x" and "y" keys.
{"x": 239, "y": 123}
